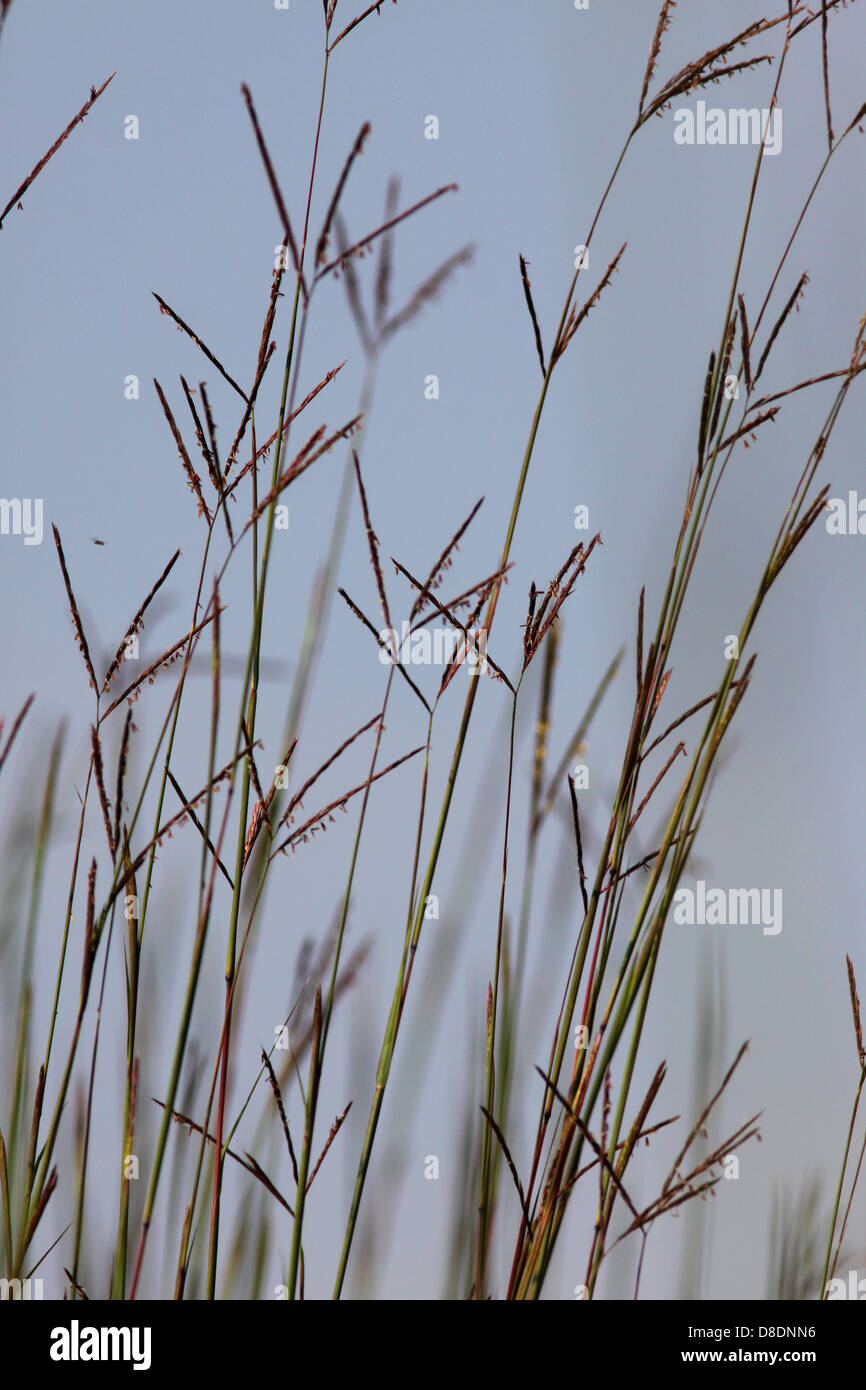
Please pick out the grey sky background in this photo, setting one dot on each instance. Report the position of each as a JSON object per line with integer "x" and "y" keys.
{"x": 533, "y": 101}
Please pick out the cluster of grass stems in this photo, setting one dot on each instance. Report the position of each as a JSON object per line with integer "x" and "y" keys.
{"x": 590, "y": 1123}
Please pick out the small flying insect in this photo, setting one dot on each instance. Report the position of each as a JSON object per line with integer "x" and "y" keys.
{"x": 97, "y": 542}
